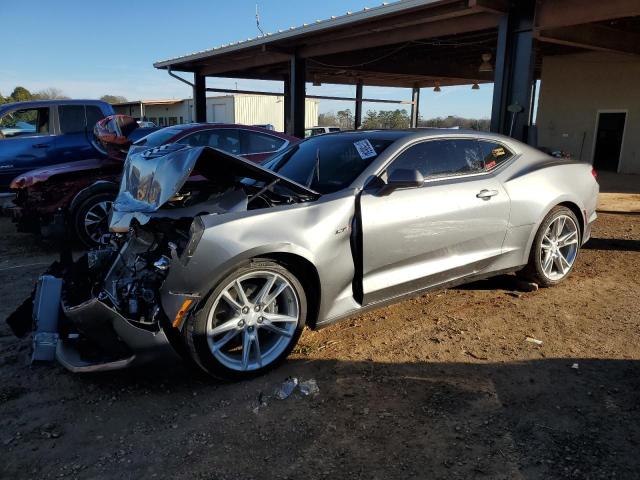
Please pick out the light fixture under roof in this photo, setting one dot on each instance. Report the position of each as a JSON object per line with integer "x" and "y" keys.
{"x": 486, "y": 66}
{"x": 475, "y": 86}
{"x": 316, "y": 81}
{"x": 437, "y": 87}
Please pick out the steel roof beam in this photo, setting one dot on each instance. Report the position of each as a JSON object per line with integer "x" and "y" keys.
{"x": 565, "y": 13}
{"x": 593, "y": 37}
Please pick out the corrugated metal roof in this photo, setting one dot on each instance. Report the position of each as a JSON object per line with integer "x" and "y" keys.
{"x": 319, "y": 25}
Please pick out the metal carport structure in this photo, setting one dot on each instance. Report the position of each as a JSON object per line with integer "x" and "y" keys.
{"x": 422, "y": 43}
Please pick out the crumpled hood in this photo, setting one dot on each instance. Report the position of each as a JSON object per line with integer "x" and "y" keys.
{"x": 152, "y": 176}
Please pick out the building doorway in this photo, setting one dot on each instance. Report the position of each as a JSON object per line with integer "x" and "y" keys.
{"x": 219, "y": 113}
{"x": 608, "y": 140}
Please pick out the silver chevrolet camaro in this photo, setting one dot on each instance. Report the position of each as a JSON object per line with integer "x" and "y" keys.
{"x": 224, "y": 262}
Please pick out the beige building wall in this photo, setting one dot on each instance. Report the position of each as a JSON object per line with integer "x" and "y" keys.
{"x": 241, "y": 109}
{"x": 574, "y": 88}
{"x": 263, "y": 109}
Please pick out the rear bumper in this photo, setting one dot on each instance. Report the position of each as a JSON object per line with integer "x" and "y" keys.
{"x": 588, "y": 226}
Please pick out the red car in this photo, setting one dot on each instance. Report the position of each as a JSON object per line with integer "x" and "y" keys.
{"x": 83, "y": 191}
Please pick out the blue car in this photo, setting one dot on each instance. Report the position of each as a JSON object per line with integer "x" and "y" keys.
{"x": 46, "y": 132}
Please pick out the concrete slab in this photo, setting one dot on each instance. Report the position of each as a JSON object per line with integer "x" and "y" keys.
{"x": 619, "y": 193}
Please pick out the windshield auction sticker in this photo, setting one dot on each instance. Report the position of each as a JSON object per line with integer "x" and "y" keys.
{"x": 365, "y": 149}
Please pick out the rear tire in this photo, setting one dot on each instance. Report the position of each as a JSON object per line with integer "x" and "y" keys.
{"x": 555, "y": 248}
{"x": 238, "y": 335}
{"x": 91, "y": 218}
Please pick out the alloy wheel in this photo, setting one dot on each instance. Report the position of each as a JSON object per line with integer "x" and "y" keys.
{"x": 253, "y": 320}
{"x": 96, "y": 220}
{"x": 559, "y": 247}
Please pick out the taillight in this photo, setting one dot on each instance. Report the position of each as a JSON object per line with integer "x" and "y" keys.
{"x": 594, "y": 173}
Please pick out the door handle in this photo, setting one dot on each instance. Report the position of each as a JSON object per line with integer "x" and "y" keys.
{"x": 41, "y": 145}
{"x": 487, "y": 194}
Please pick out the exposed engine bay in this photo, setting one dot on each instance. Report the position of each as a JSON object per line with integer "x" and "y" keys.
{"x": 110, "y": 308}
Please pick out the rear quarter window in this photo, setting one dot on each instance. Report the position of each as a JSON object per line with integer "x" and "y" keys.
{"x": 94, "y": 115}
{"x": 493, "y": 154}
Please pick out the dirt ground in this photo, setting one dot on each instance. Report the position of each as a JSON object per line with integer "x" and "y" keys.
{"x": 442, "y": 386}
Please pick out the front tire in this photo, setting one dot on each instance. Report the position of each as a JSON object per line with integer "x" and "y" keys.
{"x": 250, "y": 323}
{"x": 555, "y": 248}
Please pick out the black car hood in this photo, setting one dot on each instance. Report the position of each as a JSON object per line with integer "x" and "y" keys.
{"x": 153, "y": 176}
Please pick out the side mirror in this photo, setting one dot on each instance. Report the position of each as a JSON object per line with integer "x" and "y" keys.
{"x": 402, "y": 178}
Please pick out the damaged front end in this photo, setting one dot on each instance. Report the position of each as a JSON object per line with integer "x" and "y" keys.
{"x": 104, "y": 311}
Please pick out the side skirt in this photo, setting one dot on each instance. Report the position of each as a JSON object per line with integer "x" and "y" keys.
{"x": 414, "y": 293}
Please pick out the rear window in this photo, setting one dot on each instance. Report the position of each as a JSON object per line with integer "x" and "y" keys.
{"x": 159, "y": 137}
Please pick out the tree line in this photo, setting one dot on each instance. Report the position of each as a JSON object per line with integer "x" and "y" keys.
{"x": 375, "y": 119}
{"x": 21, "y": 94}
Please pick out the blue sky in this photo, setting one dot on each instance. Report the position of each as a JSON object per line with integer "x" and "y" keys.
{"x": 88, "y": 51}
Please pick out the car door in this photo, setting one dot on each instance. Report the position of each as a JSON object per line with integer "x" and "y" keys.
{"x": 26, "y": 141}
{"x": 258, "y": 146}
{"x": 452, "y": 226}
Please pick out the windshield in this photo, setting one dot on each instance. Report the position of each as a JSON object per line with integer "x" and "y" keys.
{"x": 159, "y": 137}
{"x": 328, "y": 163}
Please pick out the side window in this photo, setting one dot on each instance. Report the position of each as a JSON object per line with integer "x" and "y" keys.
{"x": 493, "y": 154}
{"x": 25, "y": 123}
{"x": 94, "y": 115}
{"x": 255, "y": 142}
{"x": 438, "y": 158}
{"x": 72, "y": 119}
{"x": 226, "y": 139}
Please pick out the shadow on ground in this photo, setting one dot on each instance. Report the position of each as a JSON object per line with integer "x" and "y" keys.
{"x": 622, "y": 245}
{"x": 527, "y": 420}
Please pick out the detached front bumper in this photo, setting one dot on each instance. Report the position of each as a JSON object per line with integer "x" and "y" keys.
{"x": 89, "y": 337}
{"x": 117, "y": 337}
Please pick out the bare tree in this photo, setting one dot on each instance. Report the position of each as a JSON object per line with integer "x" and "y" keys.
{"x": 50, "y": 93}
{"x": 113, "y": 99}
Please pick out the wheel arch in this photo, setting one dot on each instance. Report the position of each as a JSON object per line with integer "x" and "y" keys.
{"x": 101, "y": 186}
{"x": 307, "y": 274}
{"x": 577, "y": 212}
{"x": 286, "y": 254}
{"x": 571, "y": 205}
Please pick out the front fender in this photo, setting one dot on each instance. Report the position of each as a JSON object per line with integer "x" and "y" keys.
{"x": 314, "y": 231}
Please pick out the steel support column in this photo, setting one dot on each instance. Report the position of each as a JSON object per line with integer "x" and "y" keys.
{"x": 415, "y": 107}
{"x": 287, "y": 103}
{"x": 199, "y": 98}
{"x": 514, "y": 72}
{"x": 297, "y": 97}
{"x": 358, "y": 115}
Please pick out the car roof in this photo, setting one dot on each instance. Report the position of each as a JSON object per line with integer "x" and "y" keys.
{"x": 371, "y": 134}
{"x": 195, "y": 127}
{"x": 423, "y": 132}
{"x": 43, "y": 103}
